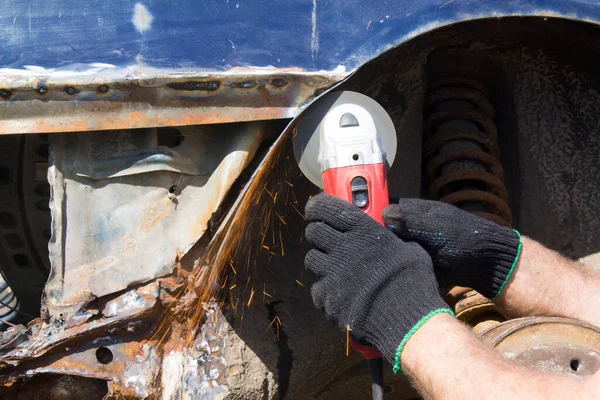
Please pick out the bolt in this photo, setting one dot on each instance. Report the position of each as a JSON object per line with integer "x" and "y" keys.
{"x": 279, "y": 82}
{"x": 5, "y": 94}
{"x": 70, "y": 90}
{"x": 42, "y": 88}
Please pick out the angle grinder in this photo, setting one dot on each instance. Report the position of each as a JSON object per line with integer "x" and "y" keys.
{"x": 345, "y": 142}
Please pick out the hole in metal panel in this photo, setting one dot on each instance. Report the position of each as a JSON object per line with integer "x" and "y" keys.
{"x": 22, "y": 260}
{"x": 104, "y": 355}
{"x": 168, "y": 137}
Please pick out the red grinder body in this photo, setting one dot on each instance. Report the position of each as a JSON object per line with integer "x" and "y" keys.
{"x": 345, "y": 146}
{"x": 338, "y": 182}
{"x": 353, "y": 166}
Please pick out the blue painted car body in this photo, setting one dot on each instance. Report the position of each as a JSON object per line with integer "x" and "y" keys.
{"x": 248, "y": 59}
{"x": 216, "y": 35}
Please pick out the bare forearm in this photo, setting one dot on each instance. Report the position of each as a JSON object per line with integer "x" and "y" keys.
{"x": 546, "y": 283}
{"x": 445, "y": 360}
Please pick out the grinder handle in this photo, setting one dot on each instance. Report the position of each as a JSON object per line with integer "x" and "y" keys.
{"x": 366, "y": 187}
{"x": 345, "y": 183}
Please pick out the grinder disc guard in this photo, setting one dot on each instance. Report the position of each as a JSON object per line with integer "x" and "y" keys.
{"x": 307, "y": 140}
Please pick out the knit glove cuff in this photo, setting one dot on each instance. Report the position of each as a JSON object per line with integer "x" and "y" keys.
{"x": 492, "y": 269}
{"x": 393, "y": 331}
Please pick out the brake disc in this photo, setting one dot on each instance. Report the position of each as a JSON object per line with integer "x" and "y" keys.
{"x": 552, "y": 344}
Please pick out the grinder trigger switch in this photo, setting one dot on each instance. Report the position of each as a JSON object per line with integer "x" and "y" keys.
{"x": 360, "y": 192}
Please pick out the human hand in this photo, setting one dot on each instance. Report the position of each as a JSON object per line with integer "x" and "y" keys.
{"x": 383, "y": 288}
{"x": 466, "y": 250}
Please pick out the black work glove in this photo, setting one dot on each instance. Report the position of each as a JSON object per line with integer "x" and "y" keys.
{"x": 466, "y": 250}
{"x": 384, "y": 289}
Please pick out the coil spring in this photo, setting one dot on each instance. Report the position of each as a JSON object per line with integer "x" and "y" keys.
{"x": 461, "y": 149}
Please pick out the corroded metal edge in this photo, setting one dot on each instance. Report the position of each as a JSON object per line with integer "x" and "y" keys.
{"x": 50, "y": 103}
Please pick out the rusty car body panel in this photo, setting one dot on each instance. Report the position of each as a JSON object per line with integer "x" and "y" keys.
{"x": 153, "y": 112}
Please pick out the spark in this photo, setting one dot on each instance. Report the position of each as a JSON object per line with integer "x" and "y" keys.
{"x": 369, "y": 24}
{"x": 252, "y": 217}
{"x": 277, "y": 323}
{"x": 251, "y": 297}
{"x": 348, "y": 340}
{"x": 299, "y": 213}
{"x": 276, "y": 319}
{"x": 262, "y": 240}
{"x": 289, "y": 315}
{"x": 267, "y": 190}
{"x": 265, "y": 292}
{"x": 281, "y": 218}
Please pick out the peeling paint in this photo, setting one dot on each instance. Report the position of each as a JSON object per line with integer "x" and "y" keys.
{"x": 314, "y": 39}
{"x": 142, "y": 18}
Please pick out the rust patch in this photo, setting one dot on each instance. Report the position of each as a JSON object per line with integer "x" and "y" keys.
{"x": 475, "y": 310}
{"x": 154, "y": 214}
{"x": 160, "y": 101}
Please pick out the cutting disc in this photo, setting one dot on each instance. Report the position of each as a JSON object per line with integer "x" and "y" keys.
{"x": 307, "y": 139}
